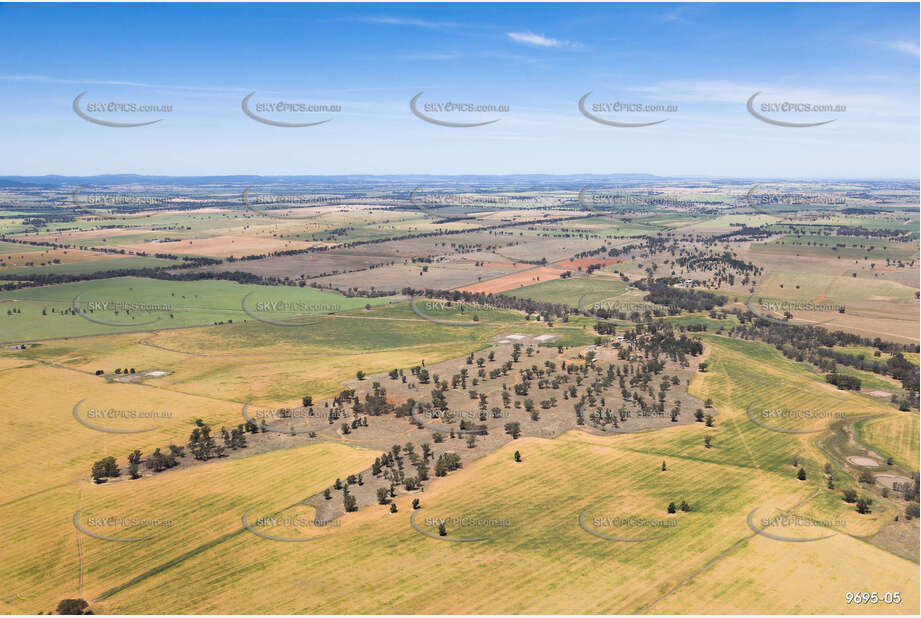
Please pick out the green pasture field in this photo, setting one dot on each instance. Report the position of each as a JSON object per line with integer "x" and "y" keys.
{"x": 49, "y": 312}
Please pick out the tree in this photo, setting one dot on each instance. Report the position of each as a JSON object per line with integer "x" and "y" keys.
{"x": 111, "y": 467}
{"x": 382, "y": 497}
{"x": 801, "y": 474}
{"x": 103, "y": 469}
{"x": 98, "y": 472}
{"x": 416, "y": 504}
{"x": 663, "y": 466}
{"x": 350, "y": 503}
{"x": 393, "y": 507}
{"x": 671, "y": 507}
{"x": 201, "y": 444}
{"x": 513, "y": 429}
{"x": 708, "y": 440}
{"x": 850, "y": 495}
{"x": 442, "y": 531}
{"x": 360, "y": 374}
{"x": 709, "y": 422}
{"x": 863, "y": 505}
{"x": 685, "y": 507}
{"x": 73, "y": 607}
{"x": 517, "y": 457}
{"x": 327, "y": 494}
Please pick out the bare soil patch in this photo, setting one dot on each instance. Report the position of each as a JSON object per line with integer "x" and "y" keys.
{"x": 515, "y": 280}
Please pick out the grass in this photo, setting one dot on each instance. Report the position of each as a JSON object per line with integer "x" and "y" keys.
{"x": 205, "y": 562}
{"x": 48, "y": 312}
{"x": 894, "y": 435}
{"x": 84, "y": 268}
{"x": 48, "y": 558}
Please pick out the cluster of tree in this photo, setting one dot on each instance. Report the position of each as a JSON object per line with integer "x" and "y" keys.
{"x": 684, "y": 507}
{"x": 862, "y": 503}
{"x": 37, "y": 278}
{"x": 546, "y": 311}
{"x": 104, "y": 469}
{"x": 843, "y": 382}
{"x": 661, "y": 292}
{"x": 73, "y": 607}
{"x": 815, "y": 345}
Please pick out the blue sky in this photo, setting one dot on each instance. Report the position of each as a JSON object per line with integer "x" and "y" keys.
{"x": 538, "y": 59}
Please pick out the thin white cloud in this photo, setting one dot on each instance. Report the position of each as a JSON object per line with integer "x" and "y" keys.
{"x": 406, "y": 21}
{"x": 529, "y": 38}
{"x": 45, "y": 79}
{"x": 905, "y": 46}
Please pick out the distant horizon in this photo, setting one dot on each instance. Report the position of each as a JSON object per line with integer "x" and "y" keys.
{"x": 625, "y": 175}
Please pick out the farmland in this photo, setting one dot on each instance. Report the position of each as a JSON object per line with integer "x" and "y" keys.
{"x": 647, "y": 393}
